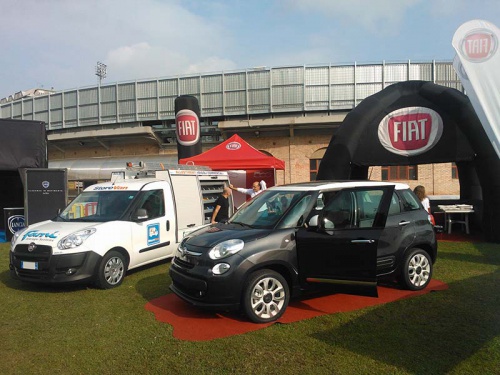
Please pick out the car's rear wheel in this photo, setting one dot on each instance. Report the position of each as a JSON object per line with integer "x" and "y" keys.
{"x": 416, "y": 272}
{"x": 111, "y": 270}
{"x": 265, "y": 296}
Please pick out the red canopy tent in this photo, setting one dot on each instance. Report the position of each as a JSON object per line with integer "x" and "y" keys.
{"x": 235, "y": 153}
{"x": 244, "y": 164}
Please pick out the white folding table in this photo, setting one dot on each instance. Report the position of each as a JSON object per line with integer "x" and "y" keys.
{"x": 452, "y": 211}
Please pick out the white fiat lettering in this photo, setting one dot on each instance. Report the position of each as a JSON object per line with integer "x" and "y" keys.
{"x": 478, "y": 46}
{"x": 409, "y": 130}
{"x": 187, "y": 127}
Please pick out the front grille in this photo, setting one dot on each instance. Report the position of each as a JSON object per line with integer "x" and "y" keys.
{"x": 183, "y": 264}
{"x": 41, "y": 253}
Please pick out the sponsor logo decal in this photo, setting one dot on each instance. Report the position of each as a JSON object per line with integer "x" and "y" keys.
{"x": 45, "y": 184}
{"x": 40, "y": 235}
{"x": 410, "y": 131}
{"x": 153, "y": 234}
{"x": 479, "y": 45}
{"x": 187, "y": 127}
{"x": 15, "y": 223}
{"x": 111, "y": 188}
{"x": 233, "y": 146}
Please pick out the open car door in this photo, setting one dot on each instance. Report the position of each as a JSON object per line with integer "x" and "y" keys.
{"x": 342, "y": 247}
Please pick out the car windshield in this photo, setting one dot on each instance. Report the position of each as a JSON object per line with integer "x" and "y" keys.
{"x": 272, "y": 207}
{"x": 97, "y": 206}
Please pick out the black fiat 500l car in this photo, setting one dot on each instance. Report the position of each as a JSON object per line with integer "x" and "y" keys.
{"x": 291, "y": 238}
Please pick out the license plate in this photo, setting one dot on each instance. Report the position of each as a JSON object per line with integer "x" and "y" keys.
{"x": 29, "y": 265}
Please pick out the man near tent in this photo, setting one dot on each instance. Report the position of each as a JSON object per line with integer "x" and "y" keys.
{"x": 221, "y": 210}
{"x": 257, "y": 187}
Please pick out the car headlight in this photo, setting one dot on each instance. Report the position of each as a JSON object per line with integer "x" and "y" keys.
{"x": 15, "y": 236}
{"x": 75, "y": 239}
{"x": 225, "y": 249}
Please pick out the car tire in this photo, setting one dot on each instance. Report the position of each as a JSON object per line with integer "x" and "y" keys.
{"x": 265, "y": 296}
{"x": 416, "y": 272}
{"x": 111, "y": 270}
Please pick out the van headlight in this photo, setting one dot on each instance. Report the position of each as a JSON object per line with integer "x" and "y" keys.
{"x": 75, "y": 239}
{"x": 225, "y": 249}
{"x": 15, "y": 236}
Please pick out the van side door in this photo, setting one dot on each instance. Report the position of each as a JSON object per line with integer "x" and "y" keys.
{"x": 342, "y": 249}
{"x": 153, "y": 238}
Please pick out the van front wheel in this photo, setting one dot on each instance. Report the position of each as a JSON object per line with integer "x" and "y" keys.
{"x": 111, "y": 270}
{"x": 265, "y": 296}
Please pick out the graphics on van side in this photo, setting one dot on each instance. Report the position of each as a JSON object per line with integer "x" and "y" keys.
{"x": 153, "y": 234}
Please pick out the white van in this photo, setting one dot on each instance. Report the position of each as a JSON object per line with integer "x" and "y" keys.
{"x": 135, "y": 219}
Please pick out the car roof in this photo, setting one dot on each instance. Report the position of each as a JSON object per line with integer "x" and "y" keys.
{"x": 337, "y": 184}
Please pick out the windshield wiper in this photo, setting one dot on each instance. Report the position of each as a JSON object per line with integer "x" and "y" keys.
{"x": 242, "y": 224}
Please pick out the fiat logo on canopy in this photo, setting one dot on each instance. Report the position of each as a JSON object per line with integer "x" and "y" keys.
{"x": 410, "y": 131}
{"x": 479, "y": 45}
{"x": 233, "y": 146}
{"x": 187, "y": 127}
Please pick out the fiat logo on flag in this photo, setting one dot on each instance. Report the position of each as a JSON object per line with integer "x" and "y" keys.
{"x": 187, "y": 127}
{"x": 233, "y": 146}
{"x": 410, "y": 131}
{"x": 479, "y": 45}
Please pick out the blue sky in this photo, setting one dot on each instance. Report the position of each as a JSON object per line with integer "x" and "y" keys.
{"x": 57, "y": 43}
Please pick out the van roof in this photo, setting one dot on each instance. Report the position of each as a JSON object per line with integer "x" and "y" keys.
{"x": 127, "y": 184}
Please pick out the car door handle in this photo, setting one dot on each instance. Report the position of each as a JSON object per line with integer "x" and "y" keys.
{"x": 362, "y": 241}
{"x": 190, "y": 225}
{"x": 401, "y": 223}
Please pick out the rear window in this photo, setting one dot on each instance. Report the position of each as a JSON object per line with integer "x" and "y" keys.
{"x": 409, "y": 200}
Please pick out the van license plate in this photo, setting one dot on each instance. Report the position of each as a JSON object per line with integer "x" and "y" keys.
{"x": 29, "y": 265}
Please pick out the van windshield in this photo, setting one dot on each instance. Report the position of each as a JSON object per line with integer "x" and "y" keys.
{"x": 98, "y": 206}
{"x": 271, "y": 207}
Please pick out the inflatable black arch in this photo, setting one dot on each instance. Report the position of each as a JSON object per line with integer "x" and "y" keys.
{"x": 460, "y": 138}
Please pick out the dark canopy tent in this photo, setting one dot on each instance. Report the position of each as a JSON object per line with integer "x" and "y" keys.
{"x": 23, "y": 144}
{"x": 235, "y": 153}
{"x": 357, "y": 145}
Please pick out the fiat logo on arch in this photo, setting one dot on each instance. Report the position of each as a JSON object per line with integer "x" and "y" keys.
{"x": 410, "y": 131}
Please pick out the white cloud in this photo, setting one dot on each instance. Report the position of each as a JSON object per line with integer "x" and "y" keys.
{"x": 379, "y": 16}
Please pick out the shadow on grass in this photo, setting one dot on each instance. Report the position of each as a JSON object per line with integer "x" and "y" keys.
{"x": 489, "y": 254}
{"x": 154, "y": 286}
{"x": 431, "y": 334}
{"x": 11, "y": 283}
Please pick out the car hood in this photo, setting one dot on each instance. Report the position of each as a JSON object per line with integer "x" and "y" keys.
{"x": 212, "y": 235}
{"x": 50, "y": 232}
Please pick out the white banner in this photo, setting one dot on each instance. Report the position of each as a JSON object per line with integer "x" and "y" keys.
{"x": 478, "y": 65}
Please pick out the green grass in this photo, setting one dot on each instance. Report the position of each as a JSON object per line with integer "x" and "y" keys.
{"x": 79, "y": 330}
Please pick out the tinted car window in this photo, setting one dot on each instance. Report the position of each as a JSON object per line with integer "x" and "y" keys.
{"x": 409, "y": 200}
{"x": 394, "y": 208}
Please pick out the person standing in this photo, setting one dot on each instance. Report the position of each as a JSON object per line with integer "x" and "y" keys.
{"x": 221, "y": 210}
{"x": 257, "y": 187}
{"x": 420, "y": 193}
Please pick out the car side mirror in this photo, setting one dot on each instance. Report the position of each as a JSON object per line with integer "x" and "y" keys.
{"x": 140, "y": 215}
{"x": 313, "y": 221}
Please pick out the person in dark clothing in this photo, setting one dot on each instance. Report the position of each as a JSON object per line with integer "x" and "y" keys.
{"x": 221, "y": 211}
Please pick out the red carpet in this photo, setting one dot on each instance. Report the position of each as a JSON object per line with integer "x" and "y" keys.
{"x": 193, "y": 324}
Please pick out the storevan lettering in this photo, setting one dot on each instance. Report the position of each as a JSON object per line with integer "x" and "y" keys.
{"x": 188, "y": 128}
{"x": 410, "y": 131}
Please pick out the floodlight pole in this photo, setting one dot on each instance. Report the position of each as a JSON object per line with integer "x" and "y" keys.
{"x": 100, "y": 71}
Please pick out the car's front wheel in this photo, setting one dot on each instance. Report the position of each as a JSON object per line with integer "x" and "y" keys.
{"x": 111, "y": 270}
{"x": 265, "y": 296}
{"x": 416, "y": 272}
